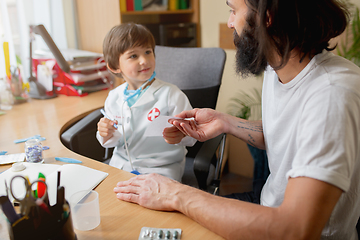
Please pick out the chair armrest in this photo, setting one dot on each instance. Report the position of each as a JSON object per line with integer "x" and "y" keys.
{"x": 69, "y": 134}
{"x": 81, "y": 138}
{"x": 204, "y": 158}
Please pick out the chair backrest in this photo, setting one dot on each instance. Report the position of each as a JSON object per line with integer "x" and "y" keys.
{"x": 196, "y": 71}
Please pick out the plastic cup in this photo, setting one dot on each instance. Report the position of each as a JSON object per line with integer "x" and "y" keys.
{"x": 85, "y": 210}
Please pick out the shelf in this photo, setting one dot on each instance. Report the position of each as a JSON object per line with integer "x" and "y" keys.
{"x": 109, "y": 15}
{"x": 183, "y": 11}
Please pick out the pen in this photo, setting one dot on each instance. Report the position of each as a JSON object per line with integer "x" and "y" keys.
{"x": 67, "y": 160}
{"x": 60, "y": 201}
{"x": 58, "y": 179}
{"x": 33, "y": 137}
{"x": 105, "y": 115}
{"x": 7, "y": 59}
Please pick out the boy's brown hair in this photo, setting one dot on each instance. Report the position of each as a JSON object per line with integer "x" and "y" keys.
{"x": 123, "y": 37}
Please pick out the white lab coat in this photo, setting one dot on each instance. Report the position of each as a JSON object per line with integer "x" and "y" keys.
{"x": 148, "y": 154}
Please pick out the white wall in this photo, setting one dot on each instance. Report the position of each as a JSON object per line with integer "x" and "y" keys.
{"x": 212, "y": 13}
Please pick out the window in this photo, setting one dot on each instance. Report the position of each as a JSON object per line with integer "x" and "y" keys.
{"x": 18, "y": 15}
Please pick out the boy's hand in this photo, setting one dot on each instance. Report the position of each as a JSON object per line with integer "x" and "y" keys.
{"x": 173, "y": 135}
{"x": 106, "y": 128}
{"x": 205, "y": 123}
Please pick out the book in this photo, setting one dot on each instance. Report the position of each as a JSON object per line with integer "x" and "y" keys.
{"x": 183, "y": 4}
{"x": 130, "y": 5}
{"x": 138, "y": 5}
{"x": 123, "y": 6}
{"x": 173, "y": 4}
{"x": 165, "y": 4}
{"x": 74, "y": 178}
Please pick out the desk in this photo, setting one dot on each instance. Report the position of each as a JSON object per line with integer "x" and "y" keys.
{"x": 119, "y": 220}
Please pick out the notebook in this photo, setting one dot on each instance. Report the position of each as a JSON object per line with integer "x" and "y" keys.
{"x": 74, "y": 178}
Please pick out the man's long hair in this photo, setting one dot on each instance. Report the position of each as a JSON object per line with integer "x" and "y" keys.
{"x": 305, "y": 25}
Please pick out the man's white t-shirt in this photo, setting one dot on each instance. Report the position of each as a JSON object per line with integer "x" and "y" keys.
{"x": 312, "y": 129}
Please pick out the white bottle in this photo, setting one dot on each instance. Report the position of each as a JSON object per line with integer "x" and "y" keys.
{"x": 6, "y": 97}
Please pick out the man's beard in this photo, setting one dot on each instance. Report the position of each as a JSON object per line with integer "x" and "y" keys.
{"x": 247, "y": 59}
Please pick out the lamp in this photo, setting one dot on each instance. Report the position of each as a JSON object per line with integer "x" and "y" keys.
{"x": 37, "y": 90}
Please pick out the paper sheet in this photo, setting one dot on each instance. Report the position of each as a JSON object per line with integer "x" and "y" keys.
{"x": 74, "y": 178}
{"x": 12, "y": 158}
{"x": 158, "y": 125}
{"x": 44, "y": 74}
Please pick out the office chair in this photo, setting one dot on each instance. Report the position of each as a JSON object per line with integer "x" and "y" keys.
{"x": 81, "y": 138}
{"x": 198, "y": 73}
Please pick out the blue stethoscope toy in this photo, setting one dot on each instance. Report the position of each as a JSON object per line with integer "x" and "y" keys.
{"x": 129, "y": 94}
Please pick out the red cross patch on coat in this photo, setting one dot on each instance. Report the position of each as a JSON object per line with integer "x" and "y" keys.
{"x": 154, "y": 113}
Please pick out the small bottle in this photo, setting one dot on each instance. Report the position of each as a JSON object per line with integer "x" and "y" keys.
{"x": 33, "y": 151}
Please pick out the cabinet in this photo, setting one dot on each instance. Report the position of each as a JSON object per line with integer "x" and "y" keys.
{"x": 95, "y": 18}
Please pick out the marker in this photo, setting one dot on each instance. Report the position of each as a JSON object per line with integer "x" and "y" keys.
{"x": 39, "y": 202}
{"x": 105, "y": 115}
{"x": 41, "y": 187}
{"x": 66, "y": 211}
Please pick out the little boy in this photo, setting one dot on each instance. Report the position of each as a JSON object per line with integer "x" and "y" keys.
{"x": 129, "y": 53}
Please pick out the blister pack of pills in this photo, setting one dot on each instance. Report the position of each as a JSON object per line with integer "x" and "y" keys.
{"x": 148, "y": 233}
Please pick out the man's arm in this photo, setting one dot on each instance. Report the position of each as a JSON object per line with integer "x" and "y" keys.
{"x": 303, "y": 214}
{"x": 249, "y": 131}
{"x": 208, "y": 123}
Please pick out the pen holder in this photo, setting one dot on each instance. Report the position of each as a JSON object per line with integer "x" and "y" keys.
{"x": 43, "y": 226}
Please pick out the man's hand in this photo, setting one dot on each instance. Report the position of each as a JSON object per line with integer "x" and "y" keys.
{"x": 206, "y": 124}
{"x": 306, "y": 208}
{"x": 151, "y": 191}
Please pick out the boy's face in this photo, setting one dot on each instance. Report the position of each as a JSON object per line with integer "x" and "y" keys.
{"x": 136, "y": 65}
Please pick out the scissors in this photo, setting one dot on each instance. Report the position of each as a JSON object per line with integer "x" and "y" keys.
{"x": 28, "y": 200}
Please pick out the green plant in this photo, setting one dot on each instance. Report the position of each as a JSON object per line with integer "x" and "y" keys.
{"x": 246, "y": 106}
{"x": 350, "y": 46}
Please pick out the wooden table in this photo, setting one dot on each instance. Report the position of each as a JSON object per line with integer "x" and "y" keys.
{"x": 119, "y": 220}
